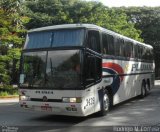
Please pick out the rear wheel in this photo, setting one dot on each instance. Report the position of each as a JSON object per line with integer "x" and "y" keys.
{"x": 143, "y": 90}
{"x": 148, "y": 87}
{"x": 105, "y": 104}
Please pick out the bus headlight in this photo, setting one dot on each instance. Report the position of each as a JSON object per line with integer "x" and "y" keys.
{"x": 24, "y": 98}
{"x": 72, "y": 100}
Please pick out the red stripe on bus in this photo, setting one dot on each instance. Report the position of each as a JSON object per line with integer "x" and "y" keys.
{"x": 115, "y": 67}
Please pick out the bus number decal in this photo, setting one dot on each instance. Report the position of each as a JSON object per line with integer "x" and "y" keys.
{"x": 90, "y": 101}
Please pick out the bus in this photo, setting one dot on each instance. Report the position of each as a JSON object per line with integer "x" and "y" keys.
{"x": 81, "y": 69}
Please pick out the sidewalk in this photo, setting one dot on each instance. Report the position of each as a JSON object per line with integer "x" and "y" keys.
{"x": 9, "y": 100}
{"x": 157, "y": 82}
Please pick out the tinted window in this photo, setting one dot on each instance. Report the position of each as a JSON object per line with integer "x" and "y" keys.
{"x": 38, "y": 40}
{"x": 136, "y": 51}
{"x": 54, "y": 38}
{"x": 144, "y": 53}
{"x": 110, "y": 40}
{"x": 98, "y": 68}
{"x": 140, "y": 50}
{"x": 105, "y": 43}
{"x": 93, "y": 68}
{"x": 89, "y": 69}
{"x": 131, "y": 49}
{"x": 67, "y": 37}
{"x": 148, "y": 54}
{"x": 127, "y": 49}
{"x": 118, "y": 44}
{"x": 108, "y": 44}
{"x": 93, "y": 40}
{"x": 63, "y": 69}
{"x": 121, "y": 42}
{"x": 56, "y": 70}
{"x": 33, "y": 71}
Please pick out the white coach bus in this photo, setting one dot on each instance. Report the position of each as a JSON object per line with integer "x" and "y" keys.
{"x": 80, "y": 69}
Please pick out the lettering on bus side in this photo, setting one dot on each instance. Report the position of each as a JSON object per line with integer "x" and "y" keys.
{"x": 44, "y": 92}
{"x": 141, "y": 67}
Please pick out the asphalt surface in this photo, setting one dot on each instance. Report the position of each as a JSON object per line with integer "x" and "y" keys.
{"x": 133, "y": 115}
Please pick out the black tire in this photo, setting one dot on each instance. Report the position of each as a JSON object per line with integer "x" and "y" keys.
{"x": 148, "y": 88}
{"x": 143, "y": 90}
{"x": 105, "y": 104}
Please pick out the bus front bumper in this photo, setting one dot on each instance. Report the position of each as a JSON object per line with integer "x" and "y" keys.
{"x": 71, "y": 109}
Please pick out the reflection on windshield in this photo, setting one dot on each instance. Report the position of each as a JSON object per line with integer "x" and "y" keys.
{"x": 61, "y": 69}
{"x": 34, "y": 68}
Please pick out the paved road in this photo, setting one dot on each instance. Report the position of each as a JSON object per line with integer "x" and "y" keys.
{"x": 135, "y": 112}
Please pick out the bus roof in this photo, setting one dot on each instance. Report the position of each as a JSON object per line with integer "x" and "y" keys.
{"x": 64, "y": 26}
{"x": 88, "y": 26}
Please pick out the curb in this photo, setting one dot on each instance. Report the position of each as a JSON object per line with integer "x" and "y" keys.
{"x": 9, "y": 97}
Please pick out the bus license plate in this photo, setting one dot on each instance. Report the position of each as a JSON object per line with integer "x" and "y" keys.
{"x": 46, "y": 108}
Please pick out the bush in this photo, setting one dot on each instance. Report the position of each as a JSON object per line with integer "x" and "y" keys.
{"x": 6, "y": 79}
{"x": 5, "y": 86}
{"x": 8, "y": 90}
{"x": 3, "y": 93}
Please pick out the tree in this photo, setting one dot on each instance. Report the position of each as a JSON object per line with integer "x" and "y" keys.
{"x": 12, "y": 33}
{"x": 147, "y": 19}
{"x": 53, "y": 12}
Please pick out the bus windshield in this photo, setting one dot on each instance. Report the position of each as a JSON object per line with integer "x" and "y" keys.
{"x": 54, "y": 38}
{"x": 51, "y": 69}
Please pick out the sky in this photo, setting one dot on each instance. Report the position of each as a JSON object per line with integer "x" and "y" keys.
{"x": 118, "y": 3}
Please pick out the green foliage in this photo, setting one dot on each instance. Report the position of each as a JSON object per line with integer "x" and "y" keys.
{"x": 7, "y": 92}
{"x": 52, "y": 12}
{"x": 4, "y": 93}
{"x": 12, "y": 36}
{"x": 15, "y": 16}
{"x": 6, "y": 79}
{"x": 147, "y": 19}
{"x": 5, "y": 86}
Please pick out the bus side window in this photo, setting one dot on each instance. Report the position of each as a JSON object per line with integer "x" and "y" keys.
{"x": 117, "y": 45}
{"x": 98, "y": 68}
{"x": 136, "y": 51}
{"x": 105, "y": 43}
{"x": 108, "y": 44}
{"x": 110, "y": 40}
{"x": 89, "y": 69}
{"x": 128, "y": 49}
{"x": 140, "y": 49}
{"x": 93, "y": 68}
{"x": 125, "y": 49}
{"x": 143, "y": 53}
{"x": 131, "y": 49}
{"x": 148, "y": 54}
{"x": 122, "y": 50}
{"x": 93, "y": 42}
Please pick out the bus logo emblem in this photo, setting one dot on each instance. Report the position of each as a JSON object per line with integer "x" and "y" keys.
{"x": 45, "y": 99}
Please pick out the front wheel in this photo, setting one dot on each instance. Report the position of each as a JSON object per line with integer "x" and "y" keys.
{"x": 147, "y": 88}
{"x": 105, "y": 103}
